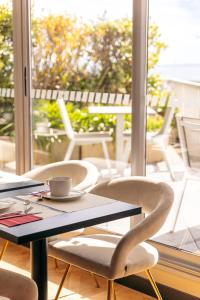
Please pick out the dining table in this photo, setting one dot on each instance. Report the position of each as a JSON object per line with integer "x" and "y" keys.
{"x": 119, "y": 111}
{"x": 57, "y": 218}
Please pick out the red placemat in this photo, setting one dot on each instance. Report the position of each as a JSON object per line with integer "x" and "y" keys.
{"x": 10, "y": 222}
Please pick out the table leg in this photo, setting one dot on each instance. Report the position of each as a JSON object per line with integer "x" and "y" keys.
{"x": 39, "y": 267}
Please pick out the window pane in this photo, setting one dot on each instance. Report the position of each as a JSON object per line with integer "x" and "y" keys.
{"x": 82, "y": 57}
{"x": 174, "y": 75}
{"x": 7, "y": 130}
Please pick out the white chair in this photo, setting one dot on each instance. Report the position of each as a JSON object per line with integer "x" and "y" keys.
{"x": 189, "y": 137}
{"x": 113, "y": 256}
{"x": 7, "y": 152}
{"x": 81, "y": 139}
{"x": 83, "y": 173}
{"x": 15, "y": 286}
{"x": 156, "y": 142}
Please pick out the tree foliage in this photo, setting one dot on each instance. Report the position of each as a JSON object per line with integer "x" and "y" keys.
{"x": 69, "y": 54}
{"x": 6, "y": 70}
{"x": 6, "y": 47}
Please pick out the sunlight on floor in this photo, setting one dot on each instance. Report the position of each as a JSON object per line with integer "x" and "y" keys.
{"x": 79, "y": 284}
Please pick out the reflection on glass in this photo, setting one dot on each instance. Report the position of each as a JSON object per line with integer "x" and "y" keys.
{"x": 82, "y": 57}
{"x": 176, "y": 81}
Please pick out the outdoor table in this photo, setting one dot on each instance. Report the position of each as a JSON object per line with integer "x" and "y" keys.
{"x": 51, "y": 132}
{"x": 120, "y": 111}
{"x": 37, "y": 232}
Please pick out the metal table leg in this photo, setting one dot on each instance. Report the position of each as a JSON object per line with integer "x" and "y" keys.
{"x": 39, "y": 267}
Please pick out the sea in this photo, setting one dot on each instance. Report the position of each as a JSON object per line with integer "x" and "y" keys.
{"x": 189, "y": 72}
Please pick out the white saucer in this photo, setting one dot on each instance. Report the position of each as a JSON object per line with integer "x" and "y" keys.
{"x": 5, "y": 204}
{"x": 72, "y": 196}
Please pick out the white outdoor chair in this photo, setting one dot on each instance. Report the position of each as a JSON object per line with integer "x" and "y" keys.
{"x": 7, "y": 152}
{"x": 156, "y": 142}
{"x": 112, "y": 256}
{"x": 189, "y": 136}
{"x": 81, "y": 139}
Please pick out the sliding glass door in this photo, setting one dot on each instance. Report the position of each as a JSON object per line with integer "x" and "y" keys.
{"x": 173, "y": 89}
{"x": 81, "y": 79}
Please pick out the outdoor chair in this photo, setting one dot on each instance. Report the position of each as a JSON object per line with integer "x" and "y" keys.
{"x": 113, "y": 256}
{"x": 83, "y": 173}
{"x": 156, "y": 142}
{"x": 7, "y": 152}
{"x": 15, "y": 286}
{"x": 81, "y": 139}
{"x": 189, "y": 137}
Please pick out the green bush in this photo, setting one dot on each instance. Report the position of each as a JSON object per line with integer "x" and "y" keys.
{"x": 82, "y": 121}
{"x": 70, "y": 54}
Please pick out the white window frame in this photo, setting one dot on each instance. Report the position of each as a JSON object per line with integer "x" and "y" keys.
{"x": 22, "y": 76}
{"x": 139, "y": 87}
{"x": 22, "y": 85}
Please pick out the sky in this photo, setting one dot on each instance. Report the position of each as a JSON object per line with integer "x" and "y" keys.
{"x": 178, "y": 21}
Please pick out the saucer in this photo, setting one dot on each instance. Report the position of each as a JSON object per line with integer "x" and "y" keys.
{"x": 5, "y": 204}
{"x": 72, "y": 196}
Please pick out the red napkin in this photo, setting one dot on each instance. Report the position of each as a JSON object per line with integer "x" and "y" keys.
{"x": 10, "y": 222}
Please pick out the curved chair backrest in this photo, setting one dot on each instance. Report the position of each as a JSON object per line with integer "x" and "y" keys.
{"x": 65, "y": 118}
{"x": 155, "y": 198}
{"x": 83, "y": 173}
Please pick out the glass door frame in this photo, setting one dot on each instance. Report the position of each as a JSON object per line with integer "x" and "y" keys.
{"x": 22, "y": 84}
{"x": 22, "y": 79}
{"x": 139, "y": 86}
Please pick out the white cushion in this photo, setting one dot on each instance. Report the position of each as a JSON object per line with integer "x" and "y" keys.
{"x": 94, "y": 253}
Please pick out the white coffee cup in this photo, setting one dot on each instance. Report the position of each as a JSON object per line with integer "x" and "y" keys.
{"x": 59, "y": 186}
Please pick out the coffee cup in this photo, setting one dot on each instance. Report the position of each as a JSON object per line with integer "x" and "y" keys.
{"x": 60, "y": 186}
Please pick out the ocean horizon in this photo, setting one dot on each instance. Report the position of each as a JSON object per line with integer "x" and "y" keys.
{"x": 190, "y": 72}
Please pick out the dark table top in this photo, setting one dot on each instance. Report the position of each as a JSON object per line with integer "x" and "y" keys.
{"x": 64, "y": 222}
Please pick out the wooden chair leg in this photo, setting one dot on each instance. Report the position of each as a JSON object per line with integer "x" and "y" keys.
{"x": 154, "y": 285}
{"x": 114, "y": 291}
{"x": 62, "y": 281}
{"x": 110, "y": 289}
{"x": 95, "y": 279}
{"x": 4, "y": 249}
{"x": 56, "y": 263}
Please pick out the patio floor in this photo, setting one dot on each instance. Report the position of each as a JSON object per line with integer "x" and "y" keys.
{"x": 186, "y": 235}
